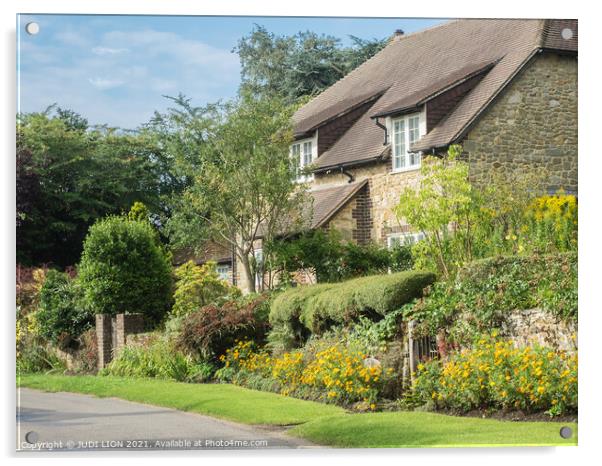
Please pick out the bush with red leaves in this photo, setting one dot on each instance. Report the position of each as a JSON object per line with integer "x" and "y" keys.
{"x": 211, "y": 330}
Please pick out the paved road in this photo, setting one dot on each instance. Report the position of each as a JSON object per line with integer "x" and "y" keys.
{"x": 69, "y": 421}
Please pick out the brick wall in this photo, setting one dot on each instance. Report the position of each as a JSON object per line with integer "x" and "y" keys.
{"x": 362, "y": 214}
{"x": 104, "y": 335}
{"x": 126, "y": 324}
{"x": 112, "y": 333}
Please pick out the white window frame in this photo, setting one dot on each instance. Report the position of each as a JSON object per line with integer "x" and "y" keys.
{"x": 405, "y": 130}
{"x": 223, "y": 271}
{"x": 306, "y": 153}
{"x": 395, "y": 239}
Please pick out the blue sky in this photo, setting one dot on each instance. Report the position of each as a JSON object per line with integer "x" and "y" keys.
{"x": 115, "y": 69}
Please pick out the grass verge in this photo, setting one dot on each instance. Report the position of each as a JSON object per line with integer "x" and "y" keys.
{"x": 320, "y": 423}
{"x": 218, "y": 400}
{"x": 420, "y": 429}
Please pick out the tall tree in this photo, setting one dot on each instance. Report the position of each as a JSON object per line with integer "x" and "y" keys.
{"x": 296, "y": 66}
{"x": 243, "y": 182}
{"x": 69, "y": 175}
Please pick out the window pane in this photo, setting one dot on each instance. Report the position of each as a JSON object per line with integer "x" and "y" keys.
{"x": 399, "y": 144}
{"x": 414, "y": 129}
{"x": 307, "y": 153}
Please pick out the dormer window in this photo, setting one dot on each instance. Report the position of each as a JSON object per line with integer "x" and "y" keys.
{"x": 303, "y": 153}
{"x": 405, "y": 131}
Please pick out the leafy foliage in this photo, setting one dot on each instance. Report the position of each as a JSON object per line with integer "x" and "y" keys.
{"x": 198, "y": 286}
{"x": 61, "y": 315}
{"x": 495, "y": 374}
{"x": 243, "y": 181}
{"x": 314, "y": 309}
{"x": 301, "y": 65}
{"x": 332, "y": 260}
{"x": 124, "y": 270}
{"x": 464, "y": 221}
{"x": 159, "y": 360}
{"x": 443, "y": 208}
{"x": 37, "y": 356}
{"x": 208, "y": 332}
{"x": 69, "y": 175}
{"x": 484, "y": 291}
{"x": 551, "y": 224}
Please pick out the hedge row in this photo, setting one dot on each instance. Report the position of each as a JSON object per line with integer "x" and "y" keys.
{"x": 314, "y": 309}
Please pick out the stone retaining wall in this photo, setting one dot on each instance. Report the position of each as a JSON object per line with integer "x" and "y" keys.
{"x": 537, "y": 326}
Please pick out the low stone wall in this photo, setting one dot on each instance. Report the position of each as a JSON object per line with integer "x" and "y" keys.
{"x": 539, "y": 327}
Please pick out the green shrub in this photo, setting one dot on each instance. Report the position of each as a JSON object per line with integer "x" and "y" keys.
{"x": 315, "y": 309}
{"x": 208, "y": 332}
{"x": 61, "y": 317}
{"x": 198, "y": 286}
{"x": 496, "y": 375}
{"x": 158, "y": 360}
{"x": 285, "y": 315}
{"x": 332, "y": 259}
{"x": 124, "y": 269}
{"x": 485, "y": 291}
{"x": 36, "y": 356}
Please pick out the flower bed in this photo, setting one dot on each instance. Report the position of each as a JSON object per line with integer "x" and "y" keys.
{"x": 496, "y": 375}
{"x": 328, "y": 372}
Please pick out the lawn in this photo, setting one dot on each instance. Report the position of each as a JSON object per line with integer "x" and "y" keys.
{"x": 320, "y": 423}
{"x": 219, "y": 400}
{"x": 419, "y": 429}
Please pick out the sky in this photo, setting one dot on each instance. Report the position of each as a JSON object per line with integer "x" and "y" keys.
{"x": 115, "y": 70}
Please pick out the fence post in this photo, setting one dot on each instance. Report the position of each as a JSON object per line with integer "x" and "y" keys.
{"x": 413, "y": 356}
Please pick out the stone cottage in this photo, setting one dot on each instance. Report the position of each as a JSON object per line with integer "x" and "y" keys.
{"x": 504, "y": 89}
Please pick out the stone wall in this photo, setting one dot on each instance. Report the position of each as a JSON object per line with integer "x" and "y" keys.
{"x": 537, "y": 326}
{"x": 532, "y": 124}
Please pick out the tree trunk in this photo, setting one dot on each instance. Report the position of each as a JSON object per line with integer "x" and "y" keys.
{"x": 247, "y": 268}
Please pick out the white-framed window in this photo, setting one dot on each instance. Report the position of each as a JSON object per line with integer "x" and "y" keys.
{"x": 223, "y": 270}
{"x": 405, "y": 131}
{"x": 304, "y": 153}
{"x": 401, "y": 239}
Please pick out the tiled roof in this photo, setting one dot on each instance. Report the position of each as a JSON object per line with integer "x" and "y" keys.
{"x": 328, "y": 200}
{"x": 422, "y": 96}
{"x": 553, "y": 34}
{"x": 413, "y": 67}
{"x": 362, "y": 142}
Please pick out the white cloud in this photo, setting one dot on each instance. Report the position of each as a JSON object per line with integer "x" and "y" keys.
{"x": 120, "y": 77}
{"x": 108, "y": 51}
{"x": 105, "y": 83}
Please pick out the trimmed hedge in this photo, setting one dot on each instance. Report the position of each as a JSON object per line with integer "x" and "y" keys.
{"x": 315, "y": 309}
